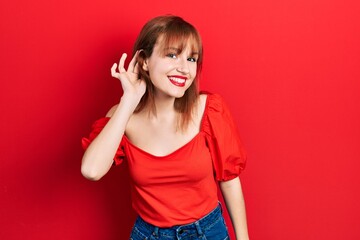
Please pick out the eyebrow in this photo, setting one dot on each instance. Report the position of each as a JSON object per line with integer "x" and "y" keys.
{"x": 178, "y": 50}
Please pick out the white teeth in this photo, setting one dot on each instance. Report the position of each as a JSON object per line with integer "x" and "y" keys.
{"x": 178, "y": 80}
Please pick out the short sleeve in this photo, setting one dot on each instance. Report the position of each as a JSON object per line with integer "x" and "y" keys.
{"x": 95, "y": 130}
{"x": 227, "y": 151}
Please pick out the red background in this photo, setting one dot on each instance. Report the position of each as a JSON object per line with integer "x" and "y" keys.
{"x": 288, "y": 69}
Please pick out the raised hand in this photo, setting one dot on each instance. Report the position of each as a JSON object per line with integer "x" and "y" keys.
{"x": 131, "y": 84}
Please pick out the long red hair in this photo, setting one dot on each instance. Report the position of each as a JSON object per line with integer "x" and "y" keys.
{"x": 172, "y": 30}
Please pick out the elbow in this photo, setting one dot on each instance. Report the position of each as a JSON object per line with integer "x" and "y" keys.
{"x": 90, "y": 173}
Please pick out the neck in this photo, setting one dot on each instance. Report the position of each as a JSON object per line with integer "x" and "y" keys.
{"x": 164, "y": 105}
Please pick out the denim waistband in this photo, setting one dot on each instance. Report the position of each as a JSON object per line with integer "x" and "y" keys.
{"x": 198, "y": 226}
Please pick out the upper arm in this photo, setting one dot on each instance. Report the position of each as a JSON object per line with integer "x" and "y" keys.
{"x": 235, "y": 182}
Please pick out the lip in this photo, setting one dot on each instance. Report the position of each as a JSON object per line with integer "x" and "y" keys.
{"x": 177, "y": 80}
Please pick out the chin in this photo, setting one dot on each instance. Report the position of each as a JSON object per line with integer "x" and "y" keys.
{"x": 179, "y": 94}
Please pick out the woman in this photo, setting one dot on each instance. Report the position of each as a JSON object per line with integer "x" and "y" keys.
{"x": 177, "y": 142}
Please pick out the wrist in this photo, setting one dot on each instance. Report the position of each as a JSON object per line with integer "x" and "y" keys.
{"x": 130, "y": 100}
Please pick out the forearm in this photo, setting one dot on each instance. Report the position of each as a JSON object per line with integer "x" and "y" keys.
{"x": 99, "y": 156}
{"x": 235, "y": 204}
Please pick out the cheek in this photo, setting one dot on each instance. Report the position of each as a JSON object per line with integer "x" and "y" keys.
{"x": 193, "y": 72}
{"x": 153, "y": 72}
{"x": 160, "y": 68}
{"x": 191, "y": 82}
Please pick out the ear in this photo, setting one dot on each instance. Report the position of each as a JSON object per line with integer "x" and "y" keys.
{"x": 145, "y": 65}
{"x": 143, "y": 60}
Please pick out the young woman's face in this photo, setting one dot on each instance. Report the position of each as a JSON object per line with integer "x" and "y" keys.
{"x": 171, "y": 71}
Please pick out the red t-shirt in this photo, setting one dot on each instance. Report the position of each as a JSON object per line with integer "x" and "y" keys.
{"x": 180, "y": 188}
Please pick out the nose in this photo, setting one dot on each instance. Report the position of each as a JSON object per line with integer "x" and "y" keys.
{"x": 183, "y": 66}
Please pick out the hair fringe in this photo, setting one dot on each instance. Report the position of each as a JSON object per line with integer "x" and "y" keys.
{"x": 172, "y": 29}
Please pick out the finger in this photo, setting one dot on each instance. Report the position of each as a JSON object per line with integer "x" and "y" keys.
{"x": 122, "y": 62}
{"x": 133, "y": 62}
{"x": 113, "y": 70}
{"x": 136, "y": 68}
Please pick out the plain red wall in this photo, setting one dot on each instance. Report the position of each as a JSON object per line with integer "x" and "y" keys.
{"x": 288, "y": 69}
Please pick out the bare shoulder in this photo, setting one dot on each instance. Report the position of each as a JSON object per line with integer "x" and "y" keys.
{"x": 111, "y": 111}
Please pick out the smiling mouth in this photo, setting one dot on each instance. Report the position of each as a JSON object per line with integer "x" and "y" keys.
{"x": 178, "y": 80}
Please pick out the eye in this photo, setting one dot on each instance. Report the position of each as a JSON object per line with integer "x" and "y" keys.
{"x": 171, "y": 55}
{"x": 192, "y": 59}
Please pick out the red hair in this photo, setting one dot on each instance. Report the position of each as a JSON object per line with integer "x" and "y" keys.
{"x": 171, "y": 29}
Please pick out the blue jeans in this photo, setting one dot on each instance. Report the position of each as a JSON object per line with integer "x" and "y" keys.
{"x": 210, "y": 227}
